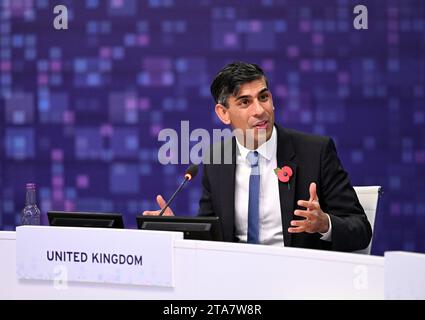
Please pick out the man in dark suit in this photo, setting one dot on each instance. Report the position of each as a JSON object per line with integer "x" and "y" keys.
{"x": 279, "y": 186}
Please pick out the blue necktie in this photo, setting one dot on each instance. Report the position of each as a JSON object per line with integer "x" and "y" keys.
{"x": 254, "y": 198}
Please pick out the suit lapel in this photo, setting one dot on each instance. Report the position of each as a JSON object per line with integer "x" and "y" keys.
{"x": 227, "y": 178}
{"x": 285, "y": 153}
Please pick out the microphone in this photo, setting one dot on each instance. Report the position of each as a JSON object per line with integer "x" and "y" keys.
{"x": 190, "y": 173}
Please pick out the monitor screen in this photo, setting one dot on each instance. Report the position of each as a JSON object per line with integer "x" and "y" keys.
{"x": 196, "y": 228}
{"x": 85, "y": 219}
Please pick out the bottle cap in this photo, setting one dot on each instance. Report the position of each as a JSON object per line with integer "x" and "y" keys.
{"x": 30, "y": 185}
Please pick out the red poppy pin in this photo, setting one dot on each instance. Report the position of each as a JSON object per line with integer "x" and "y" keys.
{"x": 284, "y": 174}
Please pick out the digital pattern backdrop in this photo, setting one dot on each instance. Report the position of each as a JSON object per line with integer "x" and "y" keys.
{"x": 80, "y": 109}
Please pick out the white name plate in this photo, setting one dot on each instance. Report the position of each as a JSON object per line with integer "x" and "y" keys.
{"x": 119, "y": 256}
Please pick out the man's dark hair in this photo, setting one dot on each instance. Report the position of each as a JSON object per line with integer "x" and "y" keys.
{"x": 229, "y": 80}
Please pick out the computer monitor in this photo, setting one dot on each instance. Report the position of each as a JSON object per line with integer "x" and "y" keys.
{"x": 196, "y": 228}
{"x": 85, "y": 219}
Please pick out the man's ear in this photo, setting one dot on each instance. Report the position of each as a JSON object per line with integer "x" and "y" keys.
{"x": 222, "y": 113}
{"x": 271, "y": 97}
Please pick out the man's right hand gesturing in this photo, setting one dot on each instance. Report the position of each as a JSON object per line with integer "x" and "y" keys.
{"x": 161, "y": 202}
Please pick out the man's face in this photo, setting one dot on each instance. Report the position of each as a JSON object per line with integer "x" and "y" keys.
{"x": 251, "y": 111}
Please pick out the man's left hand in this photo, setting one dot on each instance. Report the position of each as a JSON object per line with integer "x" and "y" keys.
{"x": 315, "y": 219}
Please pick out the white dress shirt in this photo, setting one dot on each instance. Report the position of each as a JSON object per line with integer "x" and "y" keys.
{"x": 270, "y": 231}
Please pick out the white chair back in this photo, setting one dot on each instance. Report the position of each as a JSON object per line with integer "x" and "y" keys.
{"x": 368, "y": 197}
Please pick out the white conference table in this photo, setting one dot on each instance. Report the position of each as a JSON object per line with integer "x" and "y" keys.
{"x": 218, "y": 270}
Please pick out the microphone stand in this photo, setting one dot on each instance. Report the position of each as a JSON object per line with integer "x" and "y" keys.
{"x": 174, "y": 194}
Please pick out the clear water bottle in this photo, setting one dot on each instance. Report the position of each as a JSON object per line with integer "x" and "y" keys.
{"x": 31, "y": 213}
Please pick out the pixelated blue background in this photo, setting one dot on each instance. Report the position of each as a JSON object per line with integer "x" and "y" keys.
{"x": 81, "y": 108}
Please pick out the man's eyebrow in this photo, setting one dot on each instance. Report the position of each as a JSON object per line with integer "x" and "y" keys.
{"x": 247, "y": 96}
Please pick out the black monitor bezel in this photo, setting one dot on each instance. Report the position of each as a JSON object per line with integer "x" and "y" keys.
{"x": 116, "y": 218}
{"x": 215, "y": 234}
